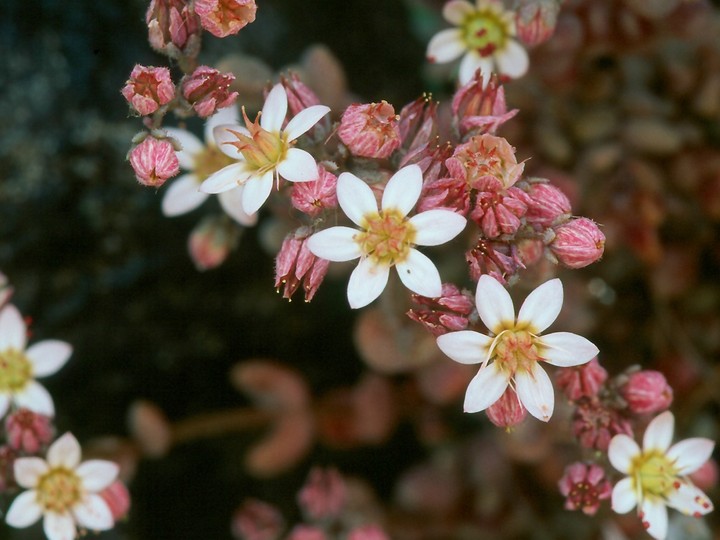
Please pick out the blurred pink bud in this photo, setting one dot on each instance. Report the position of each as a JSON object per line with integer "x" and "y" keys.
{"x": 306, "y": 532}
{"x": 584, "y": 485}
{"x": 323, "y": 495}
{"x": 150, "y": 428}
{"x": 315, "y": 196}
{"x": 507, "y": 411}
{"x": 154, "y": 161}
{"x": 480, "y": 109}
{"x": 7, "y": 466}
{"x": 271, "y": 385}
{"x": 535, "y": 20}
{"x": 28, "y": 431}
{"x": 547, "y": 204}
{"x": 417, "y": 126}
{"x": 368, "y": 532}
{"x": 148, "y": 89}
{"x": 257, "y": 520}
{"x": 224, "y": 18}
{"x": 594, "y": 424}
{"x": 496, "y": 259}
{"x": 211, "y": 241}
{"x": 578, "y": 243}
{"x": 370, "y": 130}
{"x": 117, "y": 497}
{"x": 448, "y": 313}
{"x": 486, "y": 163}
{"x": 706, "y": 477}
{"x": 499, "y": 213}
{"x": 173, "y": 28}
{"x": 647, "y": 392}
{"x": 208, "y": 90}
{"x": 582, "y": 381}
{"x": 296, "y": 264}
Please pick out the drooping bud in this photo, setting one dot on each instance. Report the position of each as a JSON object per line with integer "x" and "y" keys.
{"x": 370, "y": 130}
{"x": 535, "y": 20}
{"x": 547, "y": 204}
{"x": 584, "y": 486}
{"x": 148, "y": 89}
{"x": 208, "y": 90}
{"x": 154, "y": 161}
{"x": 507, "y": 411}
{"x": 323, "y": 495}
{"x": 316, "y": 196}
{"x": 647, "y": 392}
{"x": 578, "y": 243}
{"x": 448, "y": 313}
{"x": 211, "y": 241}
{"x": 296, "y": 264}
{"x": 479, "y": 109}
{"x": 257, "y": 520}
{"x": 225, "y": 17}
{"x": 28, "y": 431}
{"x": 117, "y": 497}
{"x": 582, "y": 381}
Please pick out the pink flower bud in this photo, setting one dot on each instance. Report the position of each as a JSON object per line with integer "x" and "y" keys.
{"x": 706, "y": 477}
{"x": 449, "y": 193}
{"x": 547, "y": 204}
{"x": 154, "y": 161}
{"x": 306, "y": 532}
{"x": 431, "y": 161}
{"x": 211, "y": 241}
{"x": 584, "y": 485}
{"x": 368, "y": 532}
{"x": 499, "y": 212}
{"x": 223, "y": 18}
{"x": 486, "y": 163}
{"x": 315, "y": 196}
{"x": 117, "y": 497}
{"x": 507, "y": 411}
{"x": 480, "y": 109}
{"x": 647, "y": 392}
{"x": 300, "y": 97}
{"x": 7, "y": 467}
{"x": 148, "y": 89}
{"x": 535, "y": 20}
{"x": 257, "y": 520}
{"x": 370, "y": 130}
{"x": 417, "y": 126}
{"x": 173, "y": 28}
{"x": 28, "y": 431}
{"x": 323, "y": 495}
{"x": 578, "y": 243}
{"x": 582, "y": 381}
{"x": 296, "y": 264}
{"x": 448, "y": 313}
{"x": 496, "y": 259}
{"x": 208, "y": 90}
{"x": 594, "y": 424}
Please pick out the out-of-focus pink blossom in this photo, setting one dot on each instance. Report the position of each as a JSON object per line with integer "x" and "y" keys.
{"x": 208, "y": 90}
{"x": 595, "y": 423}
{"x": 496, "y": 259}
{"x": 323, "y": 495}
{"x": 315, "y": 196}
{"x": 370, "y": 129}
{"x": 447, "y": 313}
{"x": 306, "y": 532}
{"x": 257, "y": 520}
{"x": 368, "y": 532}
{"x": 117, "y": 497}
{"x": 154, "y": 161}
{"x": 582, "y": 381}
{"x": 507, "y": 411}
{"x": 296, "y": 264}
{"x": 647, "y": 392}
{"x": 28, "y": 431}
{"x": 479, "y": 109}
{"x": 535, "y": 20}
{"x": 500, "y": 213}
{"x": 224, "y": 18}
{"x": 486, "y": 163}
{"x": 578, "y": 243}
{"x": 584, "y": 486}
{"x": 211, "y": 241}
{"x": 547, "y": 204}
{"x": 148, "y": 89}
{"x": 173, "y": 28}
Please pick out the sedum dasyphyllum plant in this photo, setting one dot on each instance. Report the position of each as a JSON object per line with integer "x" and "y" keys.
{"x": 438, "y": 191}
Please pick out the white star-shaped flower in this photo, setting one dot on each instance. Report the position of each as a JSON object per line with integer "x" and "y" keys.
{"x": 387, "y": 237}
{"x": 657, "y": 474}
{"x": 19, "y": 366}
{"x": 512, "y": 354}
{"x": 485, "y": 35}
{"x": 264, "y": 151}
{"x": 63, "y": 491}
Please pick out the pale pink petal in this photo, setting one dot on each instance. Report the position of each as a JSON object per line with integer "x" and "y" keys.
{"x": 355, "y": 198}
{"x": 274, "y": 110}
{"x": 182, "y": 196}
{"x": 654, "y": 513}
{"x": 59, "y": 526}
{"x": 542, "y": 306}
{"x": 455, "y": 11}
{"x": 97, "y": 474}
{"x": 226, "y": 178}
{"x": 223, "y": 136}
{"x": 12, "y": 329}
{"x": 659, "y": 433}
{"x": 335, "y": 244}
{"x": 403, "y": 189}
{"x": 4, "y": 404}
{"x": 494, "y": 304}
{"x": 435, "y": 227}
{"x": 304, "y": 120}
{"x": 298, "y": 166}
{"x": 28, "y": 470}
{"x": 24, "y": 510}
{"x": 565, "y": 349}
{"x": 535, "y": 391}
{"x": 48, "y": 356}
{"x": 191, "y": 146}
{"x": 470, "y": 63}
{"x": 485, "y": 388}
{"x": 690, "y": 500}
{"x": 624, "y": 497}
{"x": 513, "y": 60}
{"x": 367, "y": 282}
{"x": 93, "y": 513}
{"x": 64, "y": 452}
{"x": 256, "y": 192}
{"x": 621, "y": 451}
{"x": 465, "y": 346}
{"x": 419, "y": 274}
{"x": 690, "y": 454}
{"x": 231, "y": 202}
{"x": 228, "y": 115}
{"x": 36, "y": 398}
{"x": 446, "y": 46}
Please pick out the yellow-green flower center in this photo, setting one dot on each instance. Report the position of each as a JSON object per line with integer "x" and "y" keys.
{"x": 515, "y": 350}
{"x": 654, "y": 474}
{"x": 486, "y": 30}
{"x": 59, "y": 490}
{"x": 263, "y": 150}
{"x": 209, "y": 161}
{"x": 387, "y": 238}
{"x": 15, "y": 370}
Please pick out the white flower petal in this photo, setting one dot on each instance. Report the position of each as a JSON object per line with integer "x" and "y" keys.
{"x": 24, "y": 510}
{"x": 455, "y": 11}
{"x": 223, "y": 136}
{"x": 513, "y": 60}
{"x": 48, "y": 356}
{"x": 690, "y": 500}
{"x": 97, "y": 474}
{"x": 367, "y": 282}
{"x": 690, "y": 454}
{"x": 355, "y": 198}
{"x": 624, "y": 498}
{"x": 64, "y": 452}
{"x": 654, "y": 516}
{"x": 59, "y": 526}
{"x": 419, "y": 274}
{"x": 335, "y": 244}
{"x": 494, "y": 304}
{"x": 274, "y": 110}
{"x": 565, "y": 349}
{"x": 191, "y": 146}
{"x": 256, "y": 191}
{"x": 485, "y": 389}
{"x": 659, "y": 433}
{"x": 28, "y": 470}
{"x": 226, "y": 178}
{"x": 36, "y": 398}
{"x": 446, "y": 46}
{"x": 298, "y": 166}
{"x": 231, "y": 202}
{"x": 435, "y": 227}
{"x": 465, "y": 346}
{"x": 182, "y": 196}
{"x": 542, "y": 306}
{"x": 93, "y": 513}
{"x": 535, "y": 391}
{"x": 403, "y": 189}
{"x": 621, "y": 451}
{"x": 12, "y": 329}
{"x": 304, "y": 120}
{"x": 470, "y": 63}
{"x": 228, "y": 115}
{"x": 4, "y": 404}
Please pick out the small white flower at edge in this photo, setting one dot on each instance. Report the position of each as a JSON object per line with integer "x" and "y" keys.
{"x": 512, "y": 354}
{"x": 387, "y": 236}
{"x": 657, "y": 474}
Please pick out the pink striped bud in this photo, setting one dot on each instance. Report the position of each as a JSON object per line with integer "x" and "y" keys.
{"x": 148, "y": 89}
{"x": 578, "y": 243}
{"x": 28, "y": 431}
{"x": 584, "y": 486}
{"x": 295, "y": 264}
{"x": 582, "y": 381}
{"x": 224, "y": 18}
{"x": 479, "y": 109}
{"x": 154, "y": 161}
{"x": 315, "y": 196}
{"x": 535, "y": 20}
{"x": 647, "y": 392}
{"x": 117, "y": 497}
{"x": 448, "y": 313}
{"x": 211, "y": 241}
{"x": 208, "y": 90}
{"x": 507, "y": 411}
{"x": 173, "y": 28}
{"x": 370, "y": 130}
{"x": 547, "y": 204}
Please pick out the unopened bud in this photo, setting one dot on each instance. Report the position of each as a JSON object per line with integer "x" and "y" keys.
{"x": 315, "y": 196}
{"x": 479, "y": 108}
{"x": 507, "y": 411}
{"x": 582, "y": 381}
{"x": 154, "y": 161}
{"x": 211, "y": 241}
{"x": 448, "y": 313}
{"x": 208, "y": 90}
{"x": 224, "y": 18}
{"x": 323, "y": 495}
{"x": 370, "y": 130}
{"x": 173, "y": 28}
{"x": 296, "y": 264}
{"x": 148, "y": 89}
{"x": 548, "y": 203}
{"x": 647, "y": 392}
{"x": 28, "y": 431}
{"x": 535, "y": 20}
{"x": 578, "y": 243}
{"x": 117, "y": 497}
